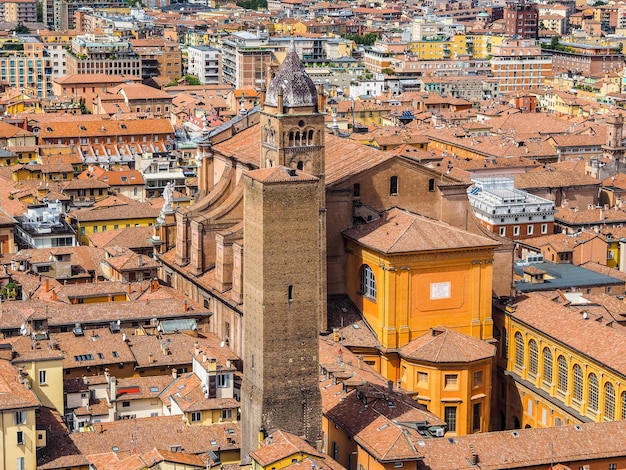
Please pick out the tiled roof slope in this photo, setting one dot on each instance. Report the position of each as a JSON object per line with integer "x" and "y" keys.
{"x": 399, "y": 231}
{"x": 442, "y": 345}
{"x": 570, "y": 328}
{"x": 527, "y": 448}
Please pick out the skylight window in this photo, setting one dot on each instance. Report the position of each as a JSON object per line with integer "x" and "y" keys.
{"x": 154, "y": 389}
{"x": 83, "y": 357}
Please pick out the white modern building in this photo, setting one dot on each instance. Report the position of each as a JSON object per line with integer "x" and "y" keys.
{"x": 205, "y": 63}
{"x": 508, "y": 211}
{"x": 42, "y": 226}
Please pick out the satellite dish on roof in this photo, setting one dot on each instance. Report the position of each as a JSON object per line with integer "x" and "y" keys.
{"x": 222, "y": 344}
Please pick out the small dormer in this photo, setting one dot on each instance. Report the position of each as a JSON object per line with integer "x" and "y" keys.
{"x": 534, "y": 275}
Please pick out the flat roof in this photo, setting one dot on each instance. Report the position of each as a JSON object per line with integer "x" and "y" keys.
{"x": 562, "y": 276}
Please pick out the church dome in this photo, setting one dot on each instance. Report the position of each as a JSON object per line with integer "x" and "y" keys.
{"x": 293, "y": 83}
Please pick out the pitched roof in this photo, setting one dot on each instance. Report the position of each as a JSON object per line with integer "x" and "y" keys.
{"x": 121, "y": 212}
{"x": 128, "y": 237}
{"x": 568, "y": 327}
{"x": 399, "y": 231}
{"x": 279, "y": 174}
{"x": 442, "y": 345}
{"x": 14, "y": 394}
{"x": 527, "y": 448}
{"x": 282, "y": 445}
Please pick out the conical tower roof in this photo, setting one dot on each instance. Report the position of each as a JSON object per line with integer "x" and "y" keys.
{"x": 293, "y": 83}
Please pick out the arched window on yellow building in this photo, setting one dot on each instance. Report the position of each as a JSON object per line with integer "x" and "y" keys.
{"x": 547, "y": 365}
{"x": 519, "y": 349}
{"x": 623, "y": 400}
{"x": 592, "y": 393}
{"x": 578, "y": 383}
{"x": 368, "y": 282}
{"x": 609, "y": 401}
{"x": 562, "y": 377}
{"x": 533, "y": 357}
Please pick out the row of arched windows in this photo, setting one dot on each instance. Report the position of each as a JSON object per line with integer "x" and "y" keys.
{"x": 301, "y": 138}
{"x": 562, "y": 378}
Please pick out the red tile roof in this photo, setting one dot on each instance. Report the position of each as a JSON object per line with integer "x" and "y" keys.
{"x": 442, "y": 345}
{"x": 399, "y": 231}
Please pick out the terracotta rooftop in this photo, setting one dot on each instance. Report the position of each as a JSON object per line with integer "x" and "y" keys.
{"x": 443, "y": 345}
{"x": 281, "y": 445}
{"x": 128, "y": 437}
{"x": 527, "y": 448}
{"x": 575, "y": 216}
{"x": 103, "y": 127}
{"x": 13, "y": 394}
{"x": 399, "y": 231}
{"x": 568, "y": 327}
{"x": 279, "y": 174}
{"x": 121, "y": 212}
{"x": 82, "y": 78}
{"x": 375, "y": 425}
{"x": 553, "y": 179}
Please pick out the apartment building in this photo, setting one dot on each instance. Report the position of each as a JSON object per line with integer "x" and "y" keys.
{"x": 159, "y": 58}
{"x": 61, "y": 14}
{"x": 204, "y": 62}
{"x": 589, "y": 60}
{"x": 102, "y": 54}
{"x": 19, "y": 11}
{"x": 522, "y": 20}
{"x": 29, "y": 69}
{"x": 519, "y": 65}
{"x": 245, "y": 58}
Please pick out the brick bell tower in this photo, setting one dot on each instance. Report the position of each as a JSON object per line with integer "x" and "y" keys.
{"x": 284, "y": 269}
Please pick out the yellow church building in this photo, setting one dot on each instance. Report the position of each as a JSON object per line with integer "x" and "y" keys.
{"x": 409, "y": 275}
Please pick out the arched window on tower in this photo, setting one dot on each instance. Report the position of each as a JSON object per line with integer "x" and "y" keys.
{"x": 291, "y": 138}
{"x": 300, "y": 165}
{"x": 356, "y": 190}
{"x": 310, "y": 138}
{"x": 393, "y": 186}
{"x": 368, "y": 282}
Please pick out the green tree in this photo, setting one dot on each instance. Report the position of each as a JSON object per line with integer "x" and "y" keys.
{"x": 192, "y": 80}
{"x": 21, "y": 29}
{"x": 366, "y": 40}
{"x": 554, "y": 43}
{"x": 83, "y": 107}
{"x": 620, "y": 47}
{"x": 253, "y": 4}
{"x": 40, "y": 12}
